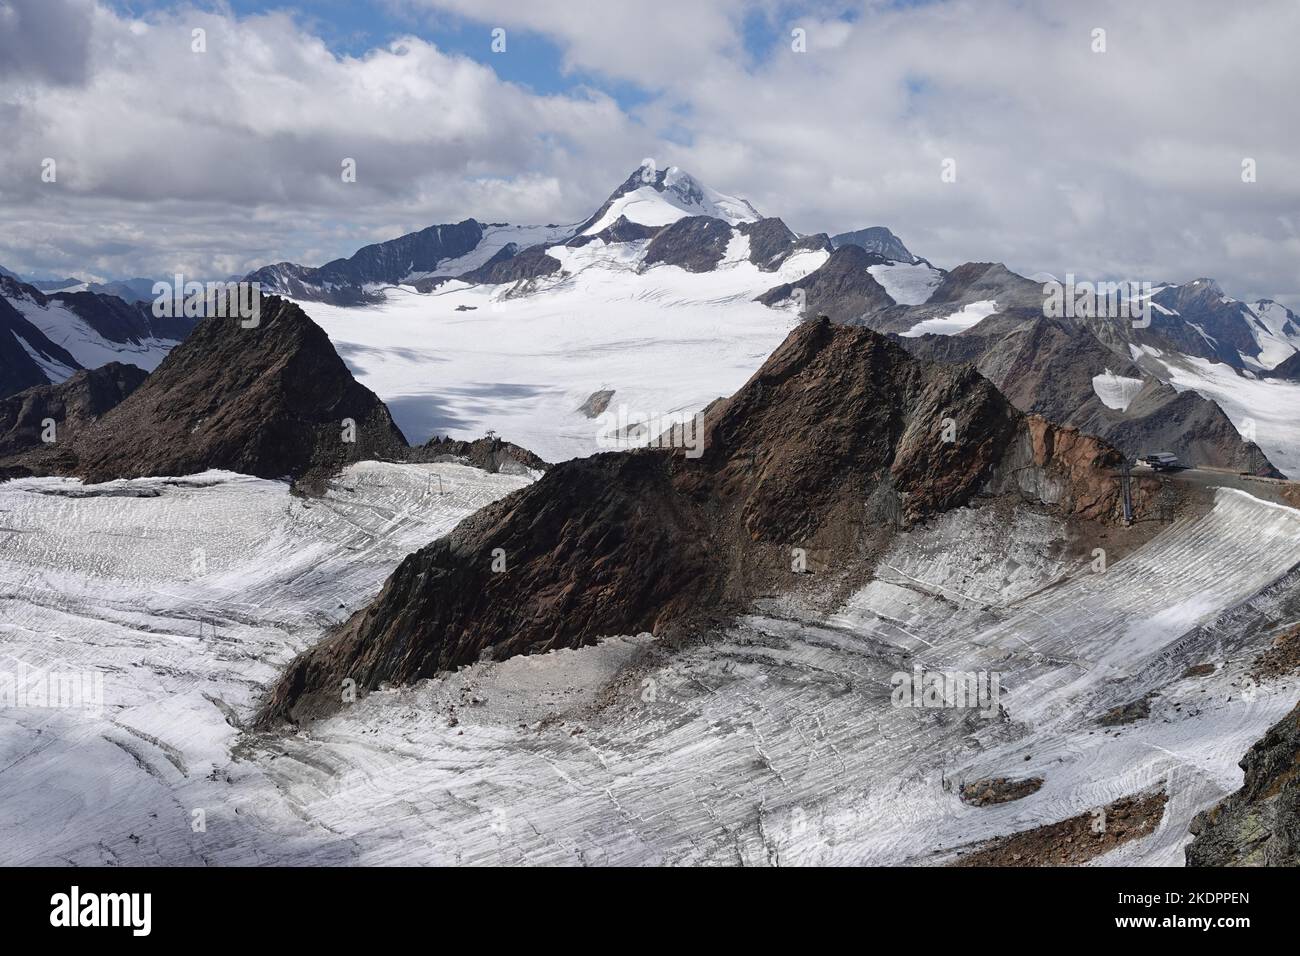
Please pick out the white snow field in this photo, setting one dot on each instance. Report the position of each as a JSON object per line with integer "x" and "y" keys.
{"x": 1116, "y": 391}
{"x": 1265, "y": 410}
{"x": 967, "y": 317}
{"x": 185, "y": 597}
{"x": 682, "y": 195}
{"x": 772, "y": 742}
{"x": 905, "y": 283}
{"x": 522, "y": 360}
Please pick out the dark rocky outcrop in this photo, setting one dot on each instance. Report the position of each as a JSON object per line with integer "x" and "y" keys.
{"x": 842, "y": 288}
{"x": 1289, "y": 369}
{"x": 74, "y": 406}
{"x": 621, "y": 229}
{"x": 268, "y": 401}
{"x": 1259, "y": 825}
{"x": 771, "y": 242}
{"x": 834, "y": 443}
{"x": 696, "y": 243}
{"x": 1046, "y": 367}
{"x": 596, "y": 403}
{"x": 509, "y": 265}
{"x": 490, "y": 454}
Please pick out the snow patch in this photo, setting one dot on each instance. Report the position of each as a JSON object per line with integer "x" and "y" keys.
{"x": 907, "y": 284}
{"x": 968, "y": 316}
{"x": 1116, "y": 391}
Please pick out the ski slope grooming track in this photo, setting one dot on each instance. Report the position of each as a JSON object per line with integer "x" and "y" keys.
{"x": 771, "y": 741}
{"x": 188, "y": 596}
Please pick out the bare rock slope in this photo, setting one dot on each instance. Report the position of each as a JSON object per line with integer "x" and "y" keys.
{"x": 837, "y": 441}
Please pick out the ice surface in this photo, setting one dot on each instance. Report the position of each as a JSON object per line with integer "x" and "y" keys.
{"x": 465, "y": 359}
{"x": 773, "y": 741}
{"x": 1116, "y": 391}
{"x": 907, "y": 284}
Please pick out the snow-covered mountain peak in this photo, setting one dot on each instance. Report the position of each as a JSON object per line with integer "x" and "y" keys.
{"x": 654, "y": 197}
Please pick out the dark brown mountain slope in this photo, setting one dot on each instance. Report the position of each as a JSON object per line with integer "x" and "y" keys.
{"x": 832, "y": 445}
{"x": 74, "y": 406}
{"x": 269, "y": 401}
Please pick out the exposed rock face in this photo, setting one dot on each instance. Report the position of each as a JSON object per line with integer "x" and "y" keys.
{"x": 491, "y": 454}
{"x": 771, "y": 242}
{"x": 1259, "y": 825}
{"x": 1290, "y": 368}
{"x": 620, "y": 230}
{"x": 508, "y": 265}
{"x": 875, "y": 239}
{"x": 268, "y": 401}
{"x": 842, "y": 288}
{"x": 1047, "y": 366}
{"x": 696, "y": 243}
{"x": 596, "y": 403}
{"x": 834, "y": 443}
{"x": 990, "y": 792}
{"x": 74, "y": 406}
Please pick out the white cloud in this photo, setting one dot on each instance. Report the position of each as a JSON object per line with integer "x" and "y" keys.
{"x": 1122, "y": 164}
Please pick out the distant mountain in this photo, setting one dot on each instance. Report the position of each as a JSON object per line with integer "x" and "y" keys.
{"x": 1058, "y": 369}
{"x": 661, "y": 223}
{"x": 659, "y": 197}
{"x": 78, "y": 330}
{"x": 69, "y": 284}
{"x": 876, "y": 239}
{"x": 444, "y": 250}
{"x": 642, "y": 208}
{"x": 27, "y": 356}
{"x": 73, "y": 405}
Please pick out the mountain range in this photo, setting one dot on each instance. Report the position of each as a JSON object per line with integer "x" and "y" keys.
{"x": 899, "y": 466}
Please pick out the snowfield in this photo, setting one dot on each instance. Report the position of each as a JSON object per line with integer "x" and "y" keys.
{"x": 1265, "y": 411}
{"x": 521, "y": 361}
{"x": 773, "y": 741}
{"x": 64, "y": 327}
{"x": 967, "y": 317}
{"x": 1116, "y": 391}
{"x": 907, "y": 284}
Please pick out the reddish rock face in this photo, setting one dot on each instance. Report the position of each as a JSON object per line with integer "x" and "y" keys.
{"x": 836, "y": 442}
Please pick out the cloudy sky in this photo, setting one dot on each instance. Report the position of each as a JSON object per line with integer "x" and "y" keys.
{"x": 1122, "y": 164}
